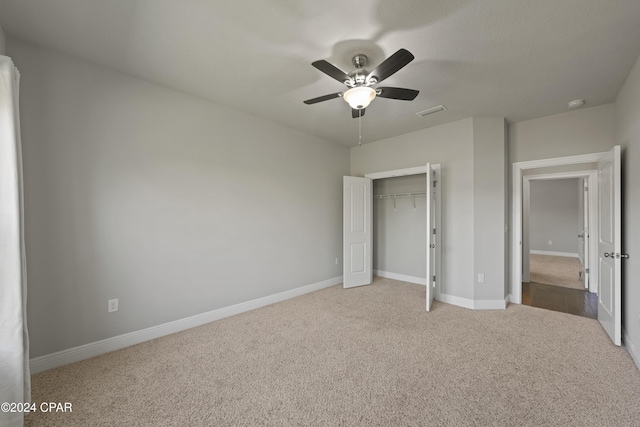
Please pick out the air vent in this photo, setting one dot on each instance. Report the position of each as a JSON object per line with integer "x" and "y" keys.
{"x": 576, "y": 103}
{"x": 432, "y": 110}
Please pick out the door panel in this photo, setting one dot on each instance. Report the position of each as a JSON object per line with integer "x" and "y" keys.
{"x": 609, "y": 244}
{"x": 583, "y": 236}
{"x": 429, "y": 262}
{"x": 586, "y": 254}
{"x": 357, "y": 231}
{"x": 430, "y": 239}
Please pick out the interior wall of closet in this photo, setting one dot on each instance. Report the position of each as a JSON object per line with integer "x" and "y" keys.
{"x": 399, "y": 223}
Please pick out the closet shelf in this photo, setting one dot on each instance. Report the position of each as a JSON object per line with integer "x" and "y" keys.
{"x": 397, "y": 196}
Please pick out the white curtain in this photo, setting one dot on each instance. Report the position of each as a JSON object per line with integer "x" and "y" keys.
{"x": 15, "y": 385}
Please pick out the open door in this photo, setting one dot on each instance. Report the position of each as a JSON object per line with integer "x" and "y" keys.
{"x": 430, "y": 279}
{"x": 609, "y": 244}
{"x": 586, "y": 220}
{"x": 357, "y": 231}
{"x": 583, "y": 235}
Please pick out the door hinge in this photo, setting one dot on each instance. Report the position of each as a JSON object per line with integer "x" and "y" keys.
{"x": 586, "y": 271}
{"x": 434, "y": 278}
{"x": 434, "y": 231}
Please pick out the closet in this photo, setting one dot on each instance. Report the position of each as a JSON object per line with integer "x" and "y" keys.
{"x": 391, "y": 225}
{"x": 399, "y": 228}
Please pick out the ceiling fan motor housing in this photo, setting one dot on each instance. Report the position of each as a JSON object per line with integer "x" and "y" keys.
{"x": 358, "y": 77}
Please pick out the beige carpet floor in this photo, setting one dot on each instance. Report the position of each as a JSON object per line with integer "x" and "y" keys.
{"x": 556, "y": 270}
{"x": 368, "y": 356}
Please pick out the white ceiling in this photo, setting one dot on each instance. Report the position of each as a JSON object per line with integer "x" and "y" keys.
{"x": 519, "y": 59}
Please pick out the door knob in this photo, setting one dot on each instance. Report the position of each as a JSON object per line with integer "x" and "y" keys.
{"x": 607, "y": 254}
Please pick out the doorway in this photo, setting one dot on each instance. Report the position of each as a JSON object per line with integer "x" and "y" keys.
{"x": 399, "y": 227}
{"x": 358, "y": 230}
{"x": 608, "y": 228}
{"x": 559, "y": 222}
{"x": 558, "y": 229}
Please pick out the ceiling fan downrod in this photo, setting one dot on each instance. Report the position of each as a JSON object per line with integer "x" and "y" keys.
{"x": 358, "y": 77}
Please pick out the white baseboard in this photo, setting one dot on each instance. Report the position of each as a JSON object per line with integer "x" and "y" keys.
{"x": 454, "y": 300}
{"x": 490, "y": 304}
{"x": 567, "y": 254}
{"x": 499, "y": 304}
{"x": 401, "y": 277}
{"x": 75, "y": 354}
{"x": 631, "y": 348}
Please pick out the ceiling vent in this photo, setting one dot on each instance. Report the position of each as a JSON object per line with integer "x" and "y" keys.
{"x": 576, "y": 103}
{"x": 431, "y": 110}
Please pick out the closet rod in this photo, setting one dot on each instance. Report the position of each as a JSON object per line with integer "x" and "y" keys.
{"x": 394, "y": 196}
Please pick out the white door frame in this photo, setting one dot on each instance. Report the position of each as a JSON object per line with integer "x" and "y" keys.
{"x": 592, "y": 185}
{"x": 419, "y": 170}
{"x": 516, "y": 218}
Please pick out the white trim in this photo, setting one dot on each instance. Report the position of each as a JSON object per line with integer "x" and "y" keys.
{"x": 500, "y": 304}
{"x": 631, "y": 348}
{"x": 560, "y": 175}
{"x": 490, "y": 304}
{"x": 401, "y": 277}
{"x": 454, "y": 300}
{"x": 398, "y": 172}
{"x": 516, "y": 217}
{"x": 552, "y": 253}
{"x": 526, "y": 220}
{"x": 438, "y": 226}
{"x": 561, "y": 161}
{"x": 75, "y": 354}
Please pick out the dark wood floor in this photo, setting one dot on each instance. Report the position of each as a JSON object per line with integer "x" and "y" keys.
{"x": 556, "y": 298}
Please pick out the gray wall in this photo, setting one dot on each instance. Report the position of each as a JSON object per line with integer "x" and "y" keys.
{"x": 490, "y": 220}
{"x": 583, "y": 131}
{"x": 399, "y": 239}
{"x": 172, "y": 204}
{"x": 554, "y": 215}
{"x": 628, "y": 136}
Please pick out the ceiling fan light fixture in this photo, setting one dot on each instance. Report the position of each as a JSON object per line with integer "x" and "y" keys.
{"x": 359, "y": 97}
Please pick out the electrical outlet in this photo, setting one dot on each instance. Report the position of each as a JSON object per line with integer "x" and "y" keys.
{"x": 112, "y": 305}
{"x": 550, "y": 242}
{"x": 336, "y": 261}
{"x": 480, "y": 277}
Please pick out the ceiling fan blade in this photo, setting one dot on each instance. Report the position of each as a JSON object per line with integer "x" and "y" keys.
{"x": 331, "y": 70}
{"x": 398, "y": 93}
{"x": 390, "y": 65}
{"x": 323, "y": 98}
{"x": 357, "y": 113}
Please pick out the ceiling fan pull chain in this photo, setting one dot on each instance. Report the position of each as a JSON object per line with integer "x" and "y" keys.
{"x": 359, "y": 128}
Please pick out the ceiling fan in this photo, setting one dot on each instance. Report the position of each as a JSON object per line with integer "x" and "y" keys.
{"x": 360, "y": 81}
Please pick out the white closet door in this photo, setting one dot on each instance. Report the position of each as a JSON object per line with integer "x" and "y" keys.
{"x": 357, "y": 231}
{"x": 430, "y": 282}
{"x": 609, "y": 244}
